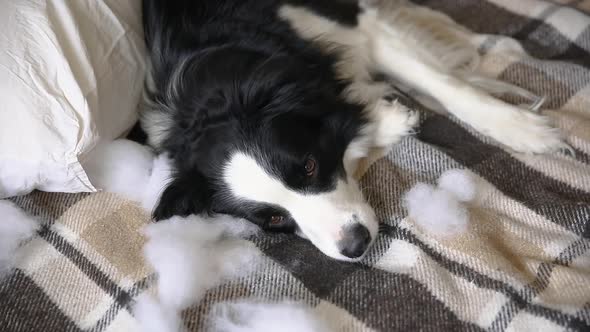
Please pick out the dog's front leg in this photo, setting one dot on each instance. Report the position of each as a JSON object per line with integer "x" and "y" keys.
{"x": 391, "y": 121}
{"x": 388, "y": 122}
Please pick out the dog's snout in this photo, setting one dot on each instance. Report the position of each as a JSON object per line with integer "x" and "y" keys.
{"x": 355, "y": 241}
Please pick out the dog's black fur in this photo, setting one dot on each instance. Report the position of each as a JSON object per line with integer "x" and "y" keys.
{"x": 231, "y": 75}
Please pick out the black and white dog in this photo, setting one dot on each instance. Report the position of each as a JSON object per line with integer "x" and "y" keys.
{"x": 267, "y": 106}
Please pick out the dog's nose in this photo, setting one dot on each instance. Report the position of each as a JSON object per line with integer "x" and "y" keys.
{"x": 355, "y": 241}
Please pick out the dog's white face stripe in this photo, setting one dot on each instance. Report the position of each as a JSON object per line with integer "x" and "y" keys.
{"x": 320, "y": 217}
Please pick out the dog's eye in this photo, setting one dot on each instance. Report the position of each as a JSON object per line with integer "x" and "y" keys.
{"x": 310, "y": 166}
{"x": 276, "y": 220}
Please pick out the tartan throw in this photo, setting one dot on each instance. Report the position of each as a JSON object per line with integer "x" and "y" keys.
{"x": 524, "y": 263}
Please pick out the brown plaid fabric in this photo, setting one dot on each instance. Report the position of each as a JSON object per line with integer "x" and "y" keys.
{"x": 523, "y": 265}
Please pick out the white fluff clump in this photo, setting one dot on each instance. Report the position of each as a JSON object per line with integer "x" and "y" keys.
{"x": 154, "y": 317}
{"x": 441, "y": 211}
{"x": 191, "y": 255}
{"x": 129, "y": 169}
{"x": 21, "y": 180}
{"x": 15, "y": 227}
{"x": 161, "y": 174}
{"x": 262, "y": 317}
{"x": 121, "y": 166}
{"x": 459, "y": 183}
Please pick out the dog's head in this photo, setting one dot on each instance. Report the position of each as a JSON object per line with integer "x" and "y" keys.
{"x": 270, "y": 140}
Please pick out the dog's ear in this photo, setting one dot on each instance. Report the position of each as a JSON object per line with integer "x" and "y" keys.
{"x": 185, "y": 195}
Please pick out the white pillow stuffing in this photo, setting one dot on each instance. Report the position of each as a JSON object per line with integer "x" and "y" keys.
{"x": 131, "y": 170}
{"x": 441, "y": 211}
{"x": 122, "y": 167}
{"x": 15, "y": 227}
{"x": 191, "y": 255}
{"x": 250, "y": 316}
{"x": 459, "y": 183}
{"x": 152, "y": 316}
{"x": 194, "y": 254}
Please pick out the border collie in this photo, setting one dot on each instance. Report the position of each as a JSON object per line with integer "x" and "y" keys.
{"x": 267, "y": 106}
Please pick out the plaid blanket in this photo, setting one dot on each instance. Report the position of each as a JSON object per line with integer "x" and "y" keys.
{"x": 524, "y": 263}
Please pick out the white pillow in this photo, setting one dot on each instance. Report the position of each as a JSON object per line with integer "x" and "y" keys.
{"x": 71, "y": 73}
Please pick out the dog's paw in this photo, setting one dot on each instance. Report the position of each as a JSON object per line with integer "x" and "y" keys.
{"x": 528, "y": 132}
{"x": 393, "y": 121}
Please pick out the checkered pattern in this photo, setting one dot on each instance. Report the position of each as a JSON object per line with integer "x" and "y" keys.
{"x": 524, "y": 263}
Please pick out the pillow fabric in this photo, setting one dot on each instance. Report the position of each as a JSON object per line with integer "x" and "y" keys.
{"x": 71, "y": 74}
